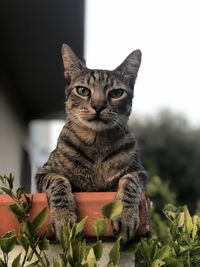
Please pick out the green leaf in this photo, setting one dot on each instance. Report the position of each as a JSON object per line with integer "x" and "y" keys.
{"x": 157, "y": 263}
{"x": 19, "y": 192}
{"x": 17, "y": 210}
{"x": 110, "y": 264}
{"x": 194, "y": 231}
{"x": 114, "y": 254}
{"x": 40, "y": 219}
{"x": 188, "y": 221}
{"x": 16, "y": 262}
{"x": 30, "y": 231}
{"x": 30, "y": 256}
{"x": 164, "y": 252}
{"x": 72, "y": 232}
{"x": 98, "y": 250}
{"x": 64, "y": 237}
{"x": 100, "y": 227}
{"x": 180, "y": 220}
{"x": 43, "y": 243}
{"x": 24, "y": 229}
{"x": 153, "y": 248}
{"x": 9, "y": 234}
{"x": 23, "y": 241}
{"x": 172, "y": 262}
{"x": 10, "y": 180}
{"x": 7, "y": 191}
{"x": 198, "y": 221}
{"x": 91, "y": 259}
{"x": 77, "y": 252}
{"x": 112, "y": 210}
{"x": 170, "y": 207}
{"x": 83, "y": 249}
{"x": 71, "y": 253}
{"x": 80, "y": 226}
{"x": 8, "y": 242}
{"x": 144, "y": 249}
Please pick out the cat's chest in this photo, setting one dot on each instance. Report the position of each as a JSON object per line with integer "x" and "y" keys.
{"x": 94, "y": 167}
{"x": 99, "y": 152}
{"x": 108, "y": 162}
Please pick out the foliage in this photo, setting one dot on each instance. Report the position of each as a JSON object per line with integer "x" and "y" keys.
{"x": 75, "y": 251}
{"x": 170, "y": 148}
{"x": 28, "y": 238}
{"x": 184, "y": 248}
{"x": 175, "y": 239}
{"x": 160, "y": 192}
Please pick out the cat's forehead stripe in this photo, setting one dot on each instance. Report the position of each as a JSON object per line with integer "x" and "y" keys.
{"x": 97, "y": 76}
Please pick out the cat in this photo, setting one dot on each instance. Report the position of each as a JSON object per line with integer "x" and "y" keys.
{"x": 95, "y": 150}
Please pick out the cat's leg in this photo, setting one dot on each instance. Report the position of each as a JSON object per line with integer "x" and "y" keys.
{"x": 62, "y": 204}
{"x": 129, "y": 189}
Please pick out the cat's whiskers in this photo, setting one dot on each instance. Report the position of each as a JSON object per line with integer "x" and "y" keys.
{"x": 117, "y": 123}
{"x": 84, "y": 114}
{"x": 72, "y": 125}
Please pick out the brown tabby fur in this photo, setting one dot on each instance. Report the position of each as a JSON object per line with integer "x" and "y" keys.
{"x": 95, "y": 149}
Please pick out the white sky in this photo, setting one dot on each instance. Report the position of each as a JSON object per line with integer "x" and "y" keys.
{"x": 167, "y": 32}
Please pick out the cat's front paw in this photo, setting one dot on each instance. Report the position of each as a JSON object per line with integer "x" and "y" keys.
{"x": 59, "y": 217}
{"x": 126, "y": 224}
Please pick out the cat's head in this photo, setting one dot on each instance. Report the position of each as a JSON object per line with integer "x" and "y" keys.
{"x": 99, "y": 99}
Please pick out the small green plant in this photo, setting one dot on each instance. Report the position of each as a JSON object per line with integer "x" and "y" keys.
{"x": 27, "y": 238}
{"x": 75, "y": 251}
{"x": 183, "y": 250}
{"x": 160, "y": 194}
{"x": 175, "y": 237}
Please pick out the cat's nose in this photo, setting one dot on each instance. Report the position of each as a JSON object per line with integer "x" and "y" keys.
{"x": 98, "y": 107}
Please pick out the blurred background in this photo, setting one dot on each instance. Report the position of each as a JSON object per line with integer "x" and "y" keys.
{"x": 165, "y": 116}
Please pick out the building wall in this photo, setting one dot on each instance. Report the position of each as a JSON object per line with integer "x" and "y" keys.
{"x": 13, "y": 140}
{"x": 43, "y": 136}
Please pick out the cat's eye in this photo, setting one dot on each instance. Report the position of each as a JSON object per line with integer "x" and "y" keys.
{"x": 116, "y": 93}
{"x": 83, "y": 91}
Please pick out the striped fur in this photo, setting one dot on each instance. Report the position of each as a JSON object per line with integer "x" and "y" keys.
{"x": 95, "y": 149}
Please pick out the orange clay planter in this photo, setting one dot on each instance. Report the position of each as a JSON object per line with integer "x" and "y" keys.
{"x": 89, "y": 204}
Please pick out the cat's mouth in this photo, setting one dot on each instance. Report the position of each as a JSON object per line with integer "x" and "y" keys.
{"x": 97, "y": 118}
{"x": 97, "y": 122}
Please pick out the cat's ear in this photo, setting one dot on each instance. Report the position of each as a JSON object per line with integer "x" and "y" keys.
{"x": 129, "y": 68}
{"x": 72, "y": 65}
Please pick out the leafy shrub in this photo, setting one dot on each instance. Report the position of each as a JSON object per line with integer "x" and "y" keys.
{"x": 170, "y": 148}
{"x": 75, "y": 251}
{"x": 183, "y": 250}
{"x": 175, "y": 240}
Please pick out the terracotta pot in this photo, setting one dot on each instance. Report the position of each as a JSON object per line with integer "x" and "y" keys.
{"x": 89, "y": 204}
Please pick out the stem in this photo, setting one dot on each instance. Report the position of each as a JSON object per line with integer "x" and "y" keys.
{"x": 177, "y": 229}
{"x": 38, "y": 256}
{"x": 25, "y": 258}
{"x": 189, "y": 261}
{"x": 5, "y": 260}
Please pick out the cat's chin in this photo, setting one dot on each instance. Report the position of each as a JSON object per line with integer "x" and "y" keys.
{"x": 97, "y": 125}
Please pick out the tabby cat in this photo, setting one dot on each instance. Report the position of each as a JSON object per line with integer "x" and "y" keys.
{"x": 95, "y": 149}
